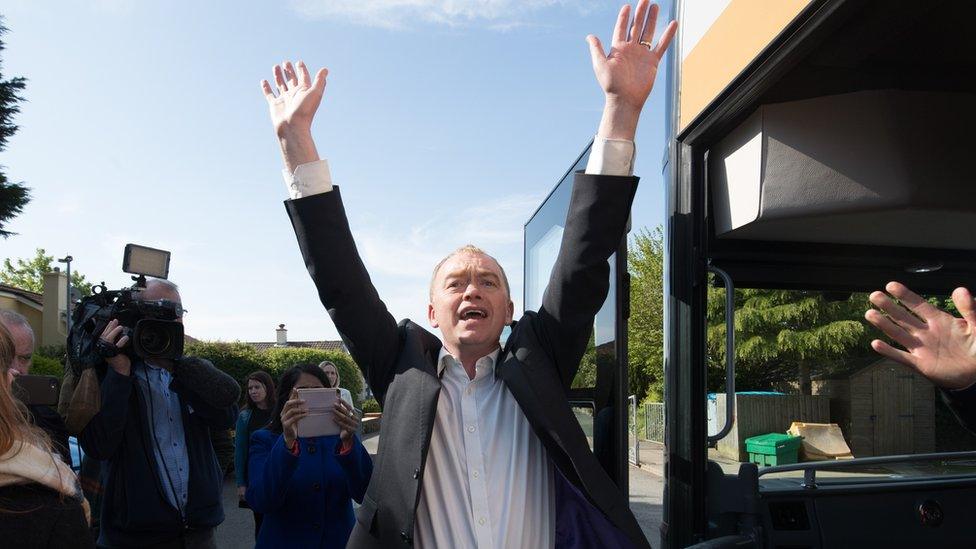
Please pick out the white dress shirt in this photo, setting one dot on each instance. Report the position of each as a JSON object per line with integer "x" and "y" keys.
{"x": 488, "y": 481}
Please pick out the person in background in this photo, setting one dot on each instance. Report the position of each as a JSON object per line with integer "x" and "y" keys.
{"x": 41, "y": 504}
{"x": 255, "y": 414}
{"x": 331, "y": 372}
{"x": 305, "y": 486}
{"x": 44, "y": 417}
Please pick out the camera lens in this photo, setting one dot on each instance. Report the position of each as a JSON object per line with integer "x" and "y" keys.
{"x": 154, "y": 341}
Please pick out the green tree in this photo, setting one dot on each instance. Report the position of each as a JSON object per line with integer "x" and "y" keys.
{"x": 13, "y": 196}
{"x": 28, "y": 274}
{"x": 787, "y": 336}
{"x": 645, "y": 331}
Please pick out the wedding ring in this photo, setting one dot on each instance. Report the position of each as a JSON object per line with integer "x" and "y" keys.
{"x": 646, "y": 44}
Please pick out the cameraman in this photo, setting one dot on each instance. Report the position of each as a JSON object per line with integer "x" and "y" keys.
{"x": 162, "y": 483}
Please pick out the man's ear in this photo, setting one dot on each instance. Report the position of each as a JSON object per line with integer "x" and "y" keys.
{"x": 430, "y": 316}
{"x": 511, "y": 312}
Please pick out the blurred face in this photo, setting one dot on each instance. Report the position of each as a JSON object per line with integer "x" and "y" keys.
{"x": 256, "y": 391}
{"x": 331, "y": 374}
{"x": 469, "y": 303}
{"x": 308, "y": 381}
{"x": 23, "y": 349}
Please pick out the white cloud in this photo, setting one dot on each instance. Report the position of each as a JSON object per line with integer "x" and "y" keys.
{"x": 499, "y": 15}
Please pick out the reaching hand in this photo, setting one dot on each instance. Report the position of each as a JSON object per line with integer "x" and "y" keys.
{"x": 298, "y": 97}
{"x": 627, "y": 73}
{"x": 940, "y": 346}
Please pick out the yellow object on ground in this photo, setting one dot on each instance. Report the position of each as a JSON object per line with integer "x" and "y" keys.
{"x": 821, "y": 441}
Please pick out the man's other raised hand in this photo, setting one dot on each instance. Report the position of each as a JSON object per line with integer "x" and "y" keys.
{"x": 626, "y": 74}
{"x": 940, "y": 346}
{"x": 292, "y": 109}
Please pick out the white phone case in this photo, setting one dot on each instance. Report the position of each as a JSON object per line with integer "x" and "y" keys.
{"x": 319, "y": 421}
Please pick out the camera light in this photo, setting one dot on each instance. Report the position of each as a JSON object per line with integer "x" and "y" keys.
{"x": 142, "y": 260}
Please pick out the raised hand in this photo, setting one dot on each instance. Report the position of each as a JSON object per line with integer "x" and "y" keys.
{"x": 293, "y": 108}
{"x": 939, "y": 345}
{"x": 627, "y": 72}
{"x": 113, "y": 335}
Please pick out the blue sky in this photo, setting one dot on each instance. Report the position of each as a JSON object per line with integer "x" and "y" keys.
{"x": 444, "y": 123}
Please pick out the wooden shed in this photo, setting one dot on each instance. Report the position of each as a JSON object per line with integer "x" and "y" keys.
{"x": 883, "y": 409}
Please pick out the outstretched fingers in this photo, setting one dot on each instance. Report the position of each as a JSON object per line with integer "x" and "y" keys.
{"x": 898, "y": 313}
{"x": 268, "y": 92}
{"x": 303, "y": 77}
{"x": 596, "y": 51}
{"x": 898, "y": 355}
{"x": 648, "y": 33}
{"x": 964, "y": 303}
{"x": 290, "y": 75}
{"x": 913, "y": 301}
{"x": 891, "y": 329}
{"x": 640, "y": 15}
{"x": 620, "y": 29}
{"x": 666, "y": 37}
{"x": 279, "y": 77}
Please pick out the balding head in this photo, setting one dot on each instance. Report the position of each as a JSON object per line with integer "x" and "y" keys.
{"x": 472, "y": 250}
{"x": 159, "y": 288}
{"x": 23, "y": 337}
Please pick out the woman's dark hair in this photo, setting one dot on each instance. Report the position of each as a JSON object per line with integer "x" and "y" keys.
{"x": 286, "y": 384}
{"x": 269, "y": 390}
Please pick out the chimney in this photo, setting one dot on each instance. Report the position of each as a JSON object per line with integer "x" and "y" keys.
{"x": 282, "y": 334}
{"x": 54, "y": 327}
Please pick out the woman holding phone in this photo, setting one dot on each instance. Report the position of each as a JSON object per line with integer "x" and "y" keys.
{"x": 304, "y": 486}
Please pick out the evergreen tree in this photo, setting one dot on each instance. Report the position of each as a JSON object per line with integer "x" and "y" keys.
{"x": 787, "y": 336}
{"x": 28, "y": 274}
{"x": 13, "y": 196}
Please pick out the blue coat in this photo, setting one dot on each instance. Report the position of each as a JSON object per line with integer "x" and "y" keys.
{"x": 306, "y": 499}
{"x": 240, "y": 447}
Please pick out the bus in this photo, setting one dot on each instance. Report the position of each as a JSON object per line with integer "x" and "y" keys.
{"x": 816, "y": 149}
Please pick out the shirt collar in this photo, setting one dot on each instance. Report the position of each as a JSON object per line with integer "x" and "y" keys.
{"x": 445, "y": 358}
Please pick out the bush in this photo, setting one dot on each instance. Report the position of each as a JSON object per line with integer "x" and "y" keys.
{"x": 46, "y": 366}
{"x": 370, "y": 406}
{"x": 240, "y": 359}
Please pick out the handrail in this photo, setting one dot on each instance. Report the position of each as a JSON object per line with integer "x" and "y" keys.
{"x": 729, "y": 354}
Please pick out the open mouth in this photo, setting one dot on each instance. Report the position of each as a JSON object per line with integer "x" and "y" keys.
{"x": 473, "y": 313}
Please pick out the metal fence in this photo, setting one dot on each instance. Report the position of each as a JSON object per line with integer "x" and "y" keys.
{"x": 633, "y": 442}
{"x": 654, "y": 421}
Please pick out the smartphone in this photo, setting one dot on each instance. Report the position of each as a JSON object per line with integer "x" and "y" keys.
{"x": 320, "y": 420}
{"x": 37, "y": 390}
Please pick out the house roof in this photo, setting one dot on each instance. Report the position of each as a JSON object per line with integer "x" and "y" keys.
{"x": 33, "y": 297}
{"x": 323, "y": 345}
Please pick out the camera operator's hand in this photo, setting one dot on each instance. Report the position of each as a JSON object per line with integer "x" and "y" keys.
{"x": 112, "y": 334}
{"x": 346, "y": 419}
{"x": 291, "y": 412}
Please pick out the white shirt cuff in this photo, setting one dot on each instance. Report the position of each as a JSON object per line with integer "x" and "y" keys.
{"x": 309, "y": 178}
{"x": 611, "y": 157}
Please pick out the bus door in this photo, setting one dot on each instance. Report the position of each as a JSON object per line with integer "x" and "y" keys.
{"x": 818, "y": 150}
{"x": 599, "y": 392}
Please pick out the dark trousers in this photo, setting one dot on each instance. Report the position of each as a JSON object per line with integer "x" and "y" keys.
{"x": 258, "y": 517}
{"x": 191, "y": 539}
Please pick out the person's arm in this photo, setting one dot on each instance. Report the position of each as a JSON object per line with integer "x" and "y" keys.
{"x": 323, "y": 233}
{"x": 937, "y": 344}
{"x": 240, "y": 448}
{"x": 102, "y": 435}
{"x": 602, "y": 197}
{"x": 358, "y": 466}
{"x": 211, "y": 393}
{"x": 270, "y": 468}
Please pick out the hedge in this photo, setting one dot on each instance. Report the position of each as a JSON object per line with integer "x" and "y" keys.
{"x": 240, "y": 359}
{"x": 236, "y": 359}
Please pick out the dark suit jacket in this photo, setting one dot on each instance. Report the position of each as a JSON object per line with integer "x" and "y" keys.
{"x": 537, "y": 365}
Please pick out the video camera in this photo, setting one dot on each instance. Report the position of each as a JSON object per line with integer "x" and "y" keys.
{"x": 152, "y": 326}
